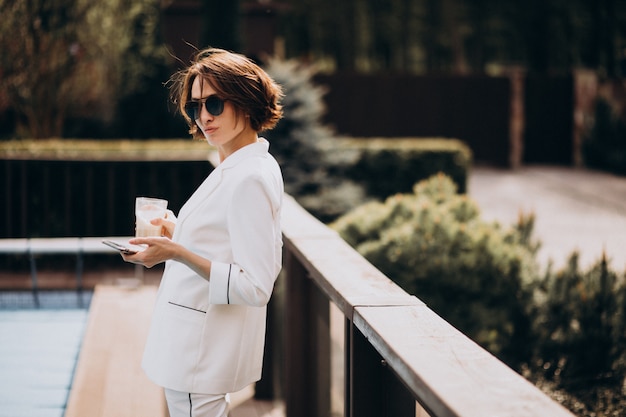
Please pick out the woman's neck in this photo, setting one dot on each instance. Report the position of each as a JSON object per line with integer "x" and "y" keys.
{"x": 245, "y": 138}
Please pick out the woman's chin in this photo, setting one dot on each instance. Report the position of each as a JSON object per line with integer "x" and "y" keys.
{"x": 208, "y": 138}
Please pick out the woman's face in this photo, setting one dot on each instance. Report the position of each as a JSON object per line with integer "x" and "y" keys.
{"x": 225, "y": 131}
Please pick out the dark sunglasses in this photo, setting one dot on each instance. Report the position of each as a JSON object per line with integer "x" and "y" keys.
{"x": 213, "y": 104}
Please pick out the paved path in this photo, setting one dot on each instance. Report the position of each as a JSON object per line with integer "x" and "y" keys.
{"x": 575, "y": 209}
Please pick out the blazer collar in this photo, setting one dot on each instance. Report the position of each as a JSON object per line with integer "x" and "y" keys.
{"x": 261, "y": 147}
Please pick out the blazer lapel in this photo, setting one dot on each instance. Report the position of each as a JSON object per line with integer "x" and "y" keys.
{"x": 215, "y": 177}
{"x": 204, "y": 190}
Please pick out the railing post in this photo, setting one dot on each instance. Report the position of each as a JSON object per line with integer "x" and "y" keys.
{"x": 372, "y": 389}
{"x": 33, "y": 276}
{"x": 24, "y": 203}
{"x": 264, "y": 388}
{"x": 79, "y": 273}
{"x": 307, "y": 344}
{"x": 320, "y": 347}
{"x": 297, "y": 396}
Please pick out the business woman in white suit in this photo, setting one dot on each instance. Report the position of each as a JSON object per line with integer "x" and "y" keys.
{"x": 223, "y": 252}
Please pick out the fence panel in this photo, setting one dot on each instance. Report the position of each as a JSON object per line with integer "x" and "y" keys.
{"x": 49, "y": 198}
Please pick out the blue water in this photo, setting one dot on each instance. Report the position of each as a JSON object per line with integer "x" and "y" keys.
{"x": 38, "y": 351}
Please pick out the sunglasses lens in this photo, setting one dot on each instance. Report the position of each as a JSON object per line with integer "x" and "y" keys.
{"x": 214, "y": 105}
{"x": 192, "y": 108}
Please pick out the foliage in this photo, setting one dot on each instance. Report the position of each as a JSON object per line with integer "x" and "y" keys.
{"x": 565, "y": 330}
{"x": 133, "y": 67}
{"x": 458, "y": 35}
{"x": 389, "y": 166}
{"x": 71, "y": 59}
{"x": 476, "y": 275}
{"x": 581, "y": 326}
{"x": 40, "y": 55}
{"x": 296, "y": 138}
{"x": 330, "y": 175}
{"x": 310, "y": 173}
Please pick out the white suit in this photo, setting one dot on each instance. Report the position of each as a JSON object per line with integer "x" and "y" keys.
{"x": 208, "y": 336}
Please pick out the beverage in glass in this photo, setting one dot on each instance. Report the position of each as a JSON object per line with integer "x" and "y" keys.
{"x": 147, "y": 209}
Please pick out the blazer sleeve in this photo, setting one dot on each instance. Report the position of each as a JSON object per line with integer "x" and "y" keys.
{"x": 253, "y": 225}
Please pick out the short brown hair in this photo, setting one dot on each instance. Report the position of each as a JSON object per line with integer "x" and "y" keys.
{"x": 235, "y": 78}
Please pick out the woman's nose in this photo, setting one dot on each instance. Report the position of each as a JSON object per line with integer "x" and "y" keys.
{"x": 204, "y": 113}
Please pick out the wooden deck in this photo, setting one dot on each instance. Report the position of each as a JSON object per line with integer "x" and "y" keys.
{"x": 109, "y": 381}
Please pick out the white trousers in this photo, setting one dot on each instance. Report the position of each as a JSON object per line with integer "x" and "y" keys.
{"x": 185, "y": 404}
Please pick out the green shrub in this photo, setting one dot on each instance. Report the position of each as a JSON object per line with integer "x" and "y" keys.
{"x": 313, "y": 176}
{"x": 476, "y": 275}
{"x": 581, "y": 326}
{"x": 389, "y": 166}
{"x": 566, "y": 329}
{"x": 295, "y": 140}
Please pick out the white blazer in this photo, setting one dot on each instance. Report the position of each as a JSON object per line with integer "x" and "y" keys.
{"x": 208, "y": 337}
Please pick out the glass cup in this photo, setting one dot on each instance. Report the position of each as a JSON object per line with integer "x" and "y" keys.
{"x": 147, "y": 209}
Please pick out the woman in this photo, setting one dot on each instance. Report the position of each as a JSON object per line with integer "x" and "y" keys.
{"x": 223, "y": 253}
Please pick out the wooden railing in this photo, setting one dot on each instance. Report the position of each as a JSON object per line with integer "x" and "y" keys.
{"x": 401, "y": 359}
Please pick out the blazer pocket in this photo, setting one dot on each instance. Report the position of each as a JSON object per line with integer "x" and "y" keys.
{"x": 186, "y": 313}
{"x": 180, "y": 330}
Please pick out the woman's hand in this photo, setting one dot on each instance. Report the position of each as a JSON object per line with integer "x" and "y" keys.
{"x": 168, "y": 224}
{"x": 160, "y": 249}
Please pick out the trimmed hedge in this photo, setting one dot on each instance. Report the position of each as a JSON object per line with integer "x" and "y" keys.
{"x": 57, "y": 149}
{"x": 387, "y": 166}
{"x": 356, "y": 170}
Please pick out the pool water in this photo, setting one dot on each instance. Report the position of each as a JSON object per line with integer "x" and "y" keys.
{"x": 38, "y": 353}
